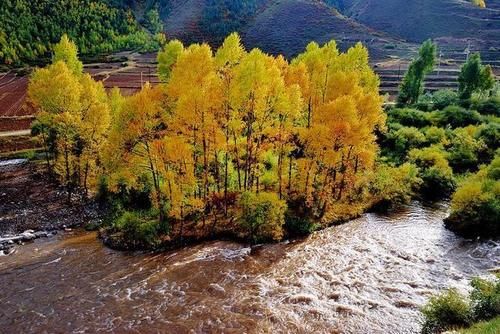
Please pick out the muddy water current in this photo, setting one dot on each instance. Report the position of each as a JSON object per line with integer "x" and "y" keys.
{"x": 370, "y": 275}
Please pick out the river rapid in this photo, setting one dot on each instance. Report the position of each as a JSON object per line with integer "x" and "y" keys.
{"x": 370, "y": 275}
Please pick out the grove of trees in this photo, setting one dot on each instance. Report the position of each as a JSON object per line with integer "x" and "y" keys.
{"x": 297, "y": 138}
{"x": 243, "y": 143}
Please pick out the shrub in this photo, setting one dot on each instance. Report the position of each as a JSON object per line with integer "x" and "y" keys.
{"x": 393, "y": 186}
{"x": 444, "y": 98}
{"x": 463, "y": 153}
{"x": 450, "y": 309}
{"x": 456, "y": 117}
{"x": 299, "y": 218}
{"x": 475, "y": 206}
{"x": 485, "y": 298}
{"x": 138, "y": 230}
{"x": 435, "y": 135}
{"x": 263, "y": 216}
{"x": 407, "y": 138}
{"x": 445, "y": 311}
{"x": 490, "y": 135}
{"x": 436, "y": 174}
{"x": 408, "y": 117}
{"x": 489, "y": 107}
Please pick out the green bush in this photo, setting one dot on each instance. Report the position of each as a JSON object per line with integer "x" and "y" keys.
{"x": 435, "y": 135}
{"x": 456, "y": 117}
{"x": 436, "y": 174}
{"x": 408, "y": 117}
{"x": 475, "y": 206}
{"x": 262, "y": 216}
{"x": 299, "y": 218}
{"x": 464, "y": 150}
{"x": 408, "y": 138}
{"x": 485, "y": 298}
{"x": 451, "y": 310}
{"x": 489, "y": 107}
{"x": 138, "y": 230}
{"x": 444, "y": 98}
{"x": 393, "y": 186}
{"x": 445, "y": 311}
{"x": 490, "y": 135}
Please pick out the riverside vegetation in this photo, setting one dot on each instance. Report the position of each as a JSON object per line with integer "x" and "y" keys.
{"x": 242, "y": 144}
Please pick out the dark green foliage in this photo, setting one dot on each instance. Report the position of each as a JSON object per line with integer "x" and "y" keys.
{"x": 463, "y": 153}
{"x": 222, "y": 17}
{"x": 408, "y": 117}
{"x": 139, "y": 230}
{"x": 445, "y": 311}
{"x": 474, "y": 77}
{"x": 489, "y": 107}
{"x": 407, "y": 138}
{"x": 153, "y": 22}
{"x": 299, "y": 219}
{"x": 413, "y": 81}
{"x": 436, "y": 183}
{"x": 436, "y": 174}
{"x": 444, "y": 98}
{"x": 455, "y": 117}
{"x": 451, "y": 310}
{"x": 29, "y": 28}
{"x": 485, "y": 298}
{"x": 490, "y": 135}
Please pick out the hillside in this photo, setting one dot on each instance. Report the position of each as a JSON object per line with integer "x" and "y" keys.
{"x": 455, "y": 22}
{"x": 416, "y": 21}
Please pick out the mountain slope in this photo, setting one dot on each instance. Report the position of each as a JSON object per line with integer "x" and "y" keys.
{"x": 418, "y": 20}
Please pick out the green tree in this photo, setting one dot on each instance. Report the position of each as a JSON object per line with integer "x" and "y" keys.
{"x": 167, "y": 58}
{"x": 413, "y": 81}
{"x": 153, "y": 21}
{"x": 67, "y": 52}
{"x": 474, "y": 77}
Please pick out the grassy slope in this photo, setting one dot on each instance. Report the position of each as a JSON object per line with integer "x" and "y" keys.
{"x": 485, "y": 327}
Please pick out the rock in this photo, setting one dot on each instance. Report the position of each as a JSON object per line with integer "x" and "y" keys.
{"x": 26, "y": 236}
{"x": 213, "y": 287}
{"x": 41, "y": 234}
{"x": 494, "y": 270}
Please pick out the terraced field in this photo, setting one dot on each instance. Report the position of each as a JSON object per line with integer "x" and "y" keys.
{"x": 445, "y": 74}
{"x": 16, "y": 116}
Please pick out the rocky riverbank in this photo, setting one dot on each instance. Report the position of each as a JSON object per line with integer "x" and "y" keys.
{"x": 8, "y": 241}
{"x": 32, "y": 207}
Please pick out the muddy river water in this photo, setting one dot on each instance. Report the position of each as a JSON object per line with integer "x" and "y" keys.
{"x": 370, "y": 275}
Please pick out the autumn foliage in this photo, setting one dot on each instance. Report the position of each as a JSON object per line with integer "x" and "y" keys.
{"x": 225, "y": 128}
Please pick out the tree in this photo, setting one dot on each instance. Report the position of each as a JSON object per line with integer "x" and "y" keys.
{"x": 226, "y": 58}
{"x": 167, "y": 57}
{"x": 413, "y": 81}
{"x": 130, "y": 153}
{"x": 474, "y": 77}
{"x": 153, "y": 21}
{"x": 67, "y": 52}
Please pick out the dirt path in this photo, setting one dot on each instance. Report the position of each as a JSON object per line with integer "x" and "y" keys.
{"x": 15, "y": 133}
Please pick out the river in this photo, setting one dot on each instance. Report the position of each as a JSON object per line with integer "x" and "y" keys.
{"x": 370, "y": 275}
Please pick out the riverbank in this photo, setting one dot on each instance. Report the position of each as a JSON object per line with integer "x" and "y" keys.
{"x": 32, "y": 206}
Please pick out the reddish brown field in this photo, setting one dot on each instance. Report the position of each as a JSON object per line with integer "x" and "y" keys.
{"x": 129, "y": 76}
